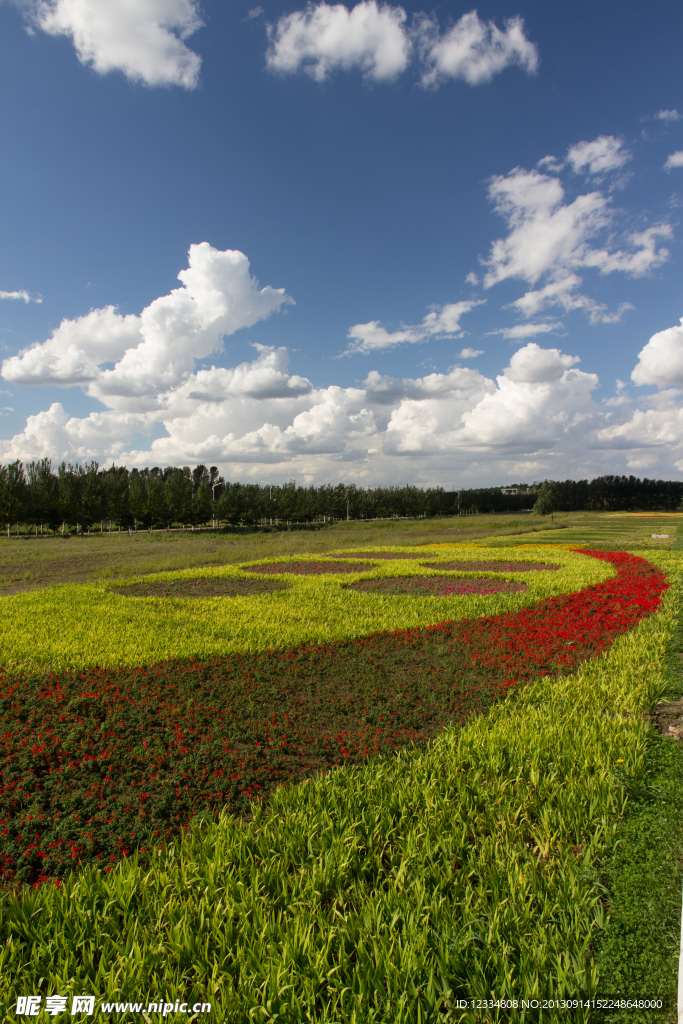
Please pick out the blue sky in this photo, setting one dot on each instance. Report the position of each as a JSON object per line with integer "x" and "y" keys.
{"x": 435, "y": 246}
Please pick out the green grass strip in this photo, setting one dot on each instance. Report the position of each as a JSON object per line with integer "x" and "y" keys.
{"x": 637, "y": 954}
{"x": 638, "y": 951}
{"x": 380, "y": 894}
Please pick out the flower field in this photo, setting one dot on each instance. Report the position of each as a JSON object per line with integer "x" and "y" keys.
{"x": 97, "y": 763}
{"x": 379, "y": 894}
{"x": 81, "y": 626}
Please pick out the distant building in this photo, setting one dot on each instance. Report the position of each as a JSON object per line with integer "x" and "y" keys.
{"x": 510, "y": 490}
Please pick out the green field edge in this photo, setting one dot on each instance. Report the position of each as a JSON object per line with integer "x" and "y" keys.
{"x": 637, "y": 953}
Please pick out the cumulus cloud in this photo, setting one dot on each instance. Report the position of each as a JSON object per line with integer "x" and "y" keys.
{"x": 470, "y": 353}
{"x": 473, "y": 50}
{"x": 668, "y": 115}
{"x": 606, "y": 153}
{"x": 551, "y": 238}
{"x": 145, "y": 39}
{"x": 534, "y": 365}
{"x": 155, "y": 351}
{"x": 660, "y": 362}
{"x": 324, "y": 38}
{"x": 540, "y": 401}
{"x": 375, "y": 39}
{"x": 442, "y": 322}
{"x": 674, "y": 160}
{"x": 23, "y": 295}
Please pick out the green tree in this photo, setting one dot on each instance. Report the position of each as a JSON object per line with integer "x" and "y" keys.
{"x": 12, "y": 493}
{"x": 548, "y": 498}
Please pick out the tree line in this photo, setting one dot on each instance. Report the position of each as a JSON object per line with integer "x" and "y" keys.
{"x": 83, "y": 496}
{"x": 609, "y": 494}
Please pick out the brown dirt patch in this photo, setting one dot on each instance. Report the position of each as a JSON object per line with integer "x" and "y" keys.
{"x": 435, "y": 586}
{"x": 208, "y": 587}
{"x": 309, "y": 568}
{"x": 668, "y": 719}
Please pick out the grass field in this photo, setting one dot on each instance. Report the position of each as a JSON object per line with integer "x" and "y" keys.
{"x": 44, "y": 561}
{"x": 483, "y": 864}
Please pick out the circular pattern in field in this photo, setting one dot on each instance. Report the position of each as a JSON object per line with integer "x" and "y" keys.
{"x": 491, "y": 566}
{"x": 381, "y": 554}
{"x": 435, "y": 586}
{"x": 205, "y": 587}
{"x": 309, "y": 568}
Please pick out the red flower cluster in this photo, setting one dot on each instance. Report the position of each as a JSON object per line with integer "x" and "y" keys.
{"x": 97, "y": 763}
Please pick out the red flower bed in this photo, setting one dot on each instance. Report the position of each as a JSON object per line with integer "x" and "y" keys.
{"x": 491, "y": 566}
{"x": 309, "y": 568}
{"x": 435, "y": 586}
{"x": 96, "y": 763}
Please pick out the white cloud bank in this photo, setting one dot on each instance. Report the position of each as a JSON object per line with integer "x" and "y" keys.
{"x": 145, "y": 39}
{"x": 375, "y": 39}
{"x": 538, "y": 417}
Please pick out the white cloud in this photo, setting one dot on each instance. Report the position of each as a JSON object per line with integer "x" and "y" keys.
{"x": 145, "y": 39}
{"x": 521, "y": 331}
{"x": 470, "y": 353}
{"x": 326, "y": 38}
{"x": 675, "y": 160}
{"x": 606, "y": 153}
{"x": 23, "y": 295}
{"x": 374, "y": 38}
{"x": 549, "y": 237}
{"x": 667, "y": 115}
{"x": 153, "y": 352}
{"x": 473, "y": 50}
{"x": 442, "y": 322}
{"x": 562, "y": 293}
{"x": 660, "y": 362}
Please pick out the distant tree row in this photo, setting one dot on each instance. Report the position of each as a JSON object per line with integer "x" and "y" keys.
{"x": 80, "y": 496}
{"x": 609, "y": 494}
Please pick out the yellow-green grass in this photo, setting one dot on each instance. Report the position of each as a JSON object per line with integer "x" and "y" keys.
{"x": 76, "y": 626}
{"x": 384, "y": 893}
